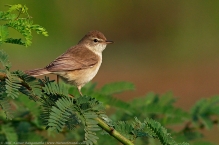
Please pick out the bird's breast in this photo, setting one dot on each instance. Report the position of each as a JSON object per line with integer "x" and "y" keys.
{"x": 82, "y": 76}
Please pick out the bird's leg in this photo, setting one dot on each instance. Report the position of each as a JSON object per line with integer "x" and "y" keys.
{"x": 79, "y": 90}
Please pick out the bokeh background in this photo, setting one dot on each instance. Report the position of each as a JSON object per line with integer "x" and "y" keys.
{"x": 159, "y": 45}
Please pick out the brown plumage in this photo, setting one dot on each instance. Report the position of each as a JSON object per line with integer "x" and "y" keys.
{"x": 79, "y": 64}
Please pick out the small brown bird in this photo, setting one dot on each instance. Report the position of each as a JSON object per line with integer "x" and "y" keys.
{"x": 80, "y": 63}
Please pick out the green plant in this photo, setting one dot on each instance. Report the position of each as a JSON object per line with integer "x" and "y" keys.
{"x": 21, "y": 22}
{"x": 30, "y": 105}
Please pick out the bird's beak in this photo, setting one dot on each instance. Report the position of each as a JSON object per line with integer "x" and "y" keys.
{"x": 109, "y": 42}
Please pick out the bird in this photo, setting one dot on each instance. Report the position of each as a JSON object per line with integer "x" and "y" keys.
{"x": 80, "y": 63}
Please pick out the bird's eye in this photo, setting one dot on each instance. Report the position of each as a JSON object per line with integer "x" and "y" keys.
{"x": 95, "y": 40}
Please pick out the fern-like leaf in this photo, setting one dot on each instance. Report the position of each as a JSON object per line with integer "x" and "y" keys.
{"x": 17, "y": 7}
{"x": 160, "y": 132}
{"x": 6, "y": 106}
{"x": 12, "y": 81}
{"x": 39, "y": 29}
{"x": 125, "y": 128}
{"x": 32, "y": 88}
{"x": 204, "y": 109}
{"x": 60, "y": 114}
{"x": 89, "y": 109}
{"x": 14, "y": 41}
{"x": 24, "y": 25}
{"x": 3, "y": 34}
{"x": 56, "y": 89}
{"x": 12, "y": 85}
{"x": 4, "y": 60}
{"x": 6, "y": 16}
{"x": 90, "y": 127}
{"x": 66, "y": 111}
{"x": 160, "y": 106}
{"x": 138, "y": 129}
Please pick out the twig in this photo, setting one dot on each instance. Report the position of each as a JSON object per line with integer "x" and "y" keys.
{"x": 3, "y": 77}
{"x": 18, "y": 14}
{"x": 113, "y": 132}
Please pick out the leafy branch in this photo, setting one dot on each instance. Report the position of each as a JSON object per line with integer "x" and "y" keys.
{"x": 17, "y": 18}
{"x": 60, "y": 111}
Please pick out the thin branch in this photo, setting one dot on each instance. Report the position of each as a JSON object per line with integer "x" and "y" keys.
{"x": 3, "y": 77}
{"x": 18, "y": 14}
{"x": 113, "y": 132}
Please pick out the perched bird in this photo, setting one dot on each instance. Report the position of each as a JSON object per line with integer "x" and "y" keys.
{"x": 80, "y": 63}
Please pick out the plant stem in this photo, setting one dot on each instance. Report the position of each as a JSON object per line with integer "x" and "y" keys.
{"x": 3, "y": 77}
{"x": 113, "y": 132}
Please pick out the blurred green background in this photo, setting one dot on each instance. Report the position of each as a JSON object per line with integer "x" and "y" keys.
{"x": 159, "y": 45}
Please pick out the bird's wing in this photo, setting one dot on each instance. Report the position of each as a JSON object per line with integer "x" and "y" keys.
{"x": 74, "y": 59}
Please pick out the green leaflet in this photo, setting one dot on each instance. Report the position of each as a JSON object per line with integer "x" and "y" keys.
{"x": 70, "y": 112}
{"x": 90, "y": 128}
{"x": 24, "y": 25}
{"x": 12, "y": 85}
{"x": 89, "y": 109}
{"x": 17, "y": 7}
{"x": 32, "y": 86}
{"x": 15, "y": 41}
{"x": 6, "y": 106}
{"x": 3, "y": 34}
{"x": 160, "y": 133}
{"x": 12, "y": 81}
{"x": 60, "y": 113}
{"x": 4, "y": 60}
{"x": 56, "y": 89}
{"x": 203, "y": 109}
{"x": 126, "y": 129}
{"x": 161, "y": 106}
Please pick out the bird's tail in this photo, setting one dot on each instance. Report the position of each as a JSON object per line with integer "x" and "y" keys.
{"x": 37, "y": 72}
